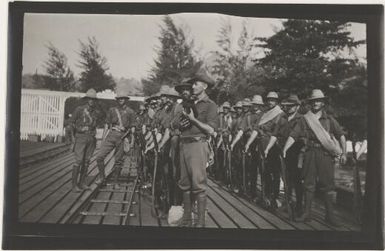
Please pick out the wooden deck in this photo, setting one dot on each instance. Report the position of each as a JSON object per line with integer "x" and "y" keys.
{"x": 45, "y": 197}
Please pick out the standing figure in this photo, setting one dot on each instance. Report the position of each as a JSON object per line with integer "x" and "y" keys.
{"x": 320, "y": 131}
{"x": 196, "y": 128}
{"x": 120, "y": 119}
{"x": 83, "y": 124}
{"x": 266, "y": 128}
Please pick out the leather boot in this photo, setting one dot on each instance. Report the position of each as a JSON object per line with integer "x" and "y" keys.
{"x": 187, "y": 203}
{"x": 329, "y": 216}
{"x": 306, "y": 216}
{"x": 101, "y": 175}
{"x": 75, "y": 174}
{"x": 202, "y": 201}
{"x": 83, "y": 174}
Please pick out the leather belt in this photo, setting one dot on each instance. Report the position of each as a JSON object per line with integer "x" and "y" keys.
{"x": 187, "y": 140}
{"x": 314, "y": 144}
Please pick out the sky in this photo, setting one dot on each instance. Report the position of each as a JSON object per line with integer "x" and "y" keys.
{"x": 129, "y": 42}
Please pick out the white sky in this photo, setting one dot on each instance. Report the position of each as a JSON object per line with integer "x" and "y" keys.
{"x": 129, "y": 41}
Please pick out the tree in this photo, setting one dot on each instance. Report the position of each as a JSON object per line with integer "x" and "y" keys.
{"x": 309, "y": 54}
{"x": 175, "y": 59}
{"x": 94, "y": 67}
{"x": 233, "y": 65}
{"x": 59, "y": 75}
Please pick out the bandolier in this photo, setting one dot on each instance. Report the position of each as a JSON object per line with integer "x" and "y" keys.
{"x": 83, "y": 123}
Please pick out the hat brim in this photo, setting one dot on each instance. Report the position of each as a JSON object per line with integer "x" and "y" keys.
{"x": 179, "y": 88}
{"x": 170, "y": 96}
{"x": 289, "y": 103}
{"x": 257, "y": 103}
{"x": 119, "y": 97}
{"x": 90, "y": 97}
{"x": 228, "y": 107}
{"x": 315, "y": 98}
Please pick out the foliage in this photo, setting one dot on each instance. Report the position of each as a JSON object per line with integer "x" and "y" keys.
{"x": 59, "y": 76}
{"x": 94, "y": 67}
{"x": 175, "y": 59}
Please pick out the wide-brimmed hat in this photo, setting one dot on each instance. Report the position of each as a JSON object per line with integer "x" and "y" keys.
{"x": 184, "y": 84}
{"x": 122, "y": 94}
{"x": 201, "y": 76}
{"x": 272, "y": 95}
{"x": 226, "y": 104}
{"x": 91, "y": 93}
{"x": 316, "y": 94}
{"x": 257, "y": 100}
{"x": 291, "y": 100}
{"x": 151, "y": 98}
{"x": 239, "y": 104}
{"x": 170, "y": 93}
{"x": 246, "y": 102}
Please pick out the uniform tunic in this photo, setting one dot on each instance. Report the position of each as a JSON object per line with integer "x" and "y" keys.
{"x": 317, "y": 161}
{"x": 84, "y": 122}
{"x": 117, "y": 131}
{"x": 194, "y": 149}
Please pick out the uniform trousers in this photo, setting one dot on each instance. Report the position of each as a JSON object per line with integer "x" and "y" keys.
{"x": 194, "y": 157}
{"x": 318, "y": 165}
{"x": 294, "y": 174}
{"x": 113, "y": 141}
{"x": 84, "y": 147}
{"x": 272, "y": 173}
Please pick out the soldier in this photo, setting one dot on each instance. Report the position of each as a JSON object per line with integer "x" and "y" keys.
{"x": 255, "y": 116}
{"x": 194, "y": 147}
{"x": 320, "y": 131}
{"x": 83, "y": 123}
{"x": 120, "y": 119}
{"x": 266, "y": 128}
{"x": 235, "y": 148}
{"x": 294, "y": 155}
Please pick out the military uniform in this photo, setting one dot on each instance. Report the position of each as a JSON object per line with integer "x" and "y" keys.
{"x": 120, "y": 120}
{"x": 83, "y": 122}
{"x": 236, "y": 165}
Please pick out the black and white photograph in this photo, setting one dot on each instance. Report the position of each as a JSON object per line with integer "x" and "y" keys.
{"x": 189, "y": 121}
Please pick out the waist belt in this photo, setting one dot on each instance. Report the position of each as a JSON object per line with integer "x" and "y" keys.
{"x": 85, "y": 130}
{"x": 187, "y": 140}
{"x": 119, "y": 129}
{"x": 314, "y": 144}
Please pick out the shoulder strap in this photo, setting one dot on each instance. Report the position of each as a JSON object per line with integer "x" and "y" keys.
{"x": 119, "y": 117}
{"x": 88, "y": 114}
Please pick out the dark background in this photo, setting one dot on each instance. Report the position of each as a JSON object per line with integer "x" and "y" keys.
{"x": 48, "y": 236}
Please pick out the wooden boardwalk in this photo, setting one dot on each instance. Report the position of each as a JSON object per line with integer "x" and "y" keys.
{"x": 45, "y": 197}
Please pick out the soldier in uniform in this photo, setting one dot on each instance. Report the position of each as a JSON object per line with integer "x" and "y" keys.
{"x": 83, "y": 123}
{"x": 194, "y": 147}
{"x": 293, "y": 158}
{"x": 268, "y": 126}
{"x": 119, "y": 120}
{"x": 255, "y": 116}
{"x": 320, "y": 131}
{"x": 235, "y": 147}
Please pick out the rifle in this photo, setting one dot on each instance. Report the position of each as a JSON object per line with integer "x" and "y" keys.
{"x": 244, "y": 171}
{"x": 357, "y": 196}
{"x": 286, "y": 188}
{"x": 154, "y": 172}
{"x": 265, "y": 201}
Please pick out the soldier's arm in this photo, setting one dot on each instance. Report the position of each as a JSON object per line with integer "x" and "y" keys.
{"x": 289, "y": 142}
{"x": 271, "y": 143}
{"x": 362, "y": 149}
{"x": 251, "y": 139}
{"x": 165, "y": 138}
{"x": 220, "y": 140}
{"x": 276, "y": 131}
{"x": 296, "y": 133}
{"x": 236, "y": 139}
{"x": 212, "y": 120}
{"x": 72, "y": 123}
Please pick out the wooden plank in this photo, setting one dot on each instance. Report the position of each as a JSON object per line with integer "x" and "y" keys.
{"x": 268, "y": 216}
{"x": 134, "y": 221}
{"x": 297, "y": 225}
{"x": 40, "y": 204}
{"x": 115, "y": 208}
{"x": 147, "y": 218}
{"x": 231, "y": 211}
{"x": 48, "y": 167}
{"x": 210, "y": 223}
{"x": 218, "y": 216}
{"x": 79, "y": 203}
{"x": 54, "y": 171}
{"x": 98, "y": 208}
{"x": 33, "y": 149}
{"x": 247, "y": 212}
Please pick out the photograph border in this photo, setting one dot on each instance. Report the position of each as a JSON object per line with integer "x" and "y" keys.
{"x": 18, "y": 235}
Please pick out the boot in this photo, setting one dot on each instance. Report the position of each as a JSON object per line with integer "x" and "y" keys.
{"x": 83, "y": 174}
{"x": 329, "y": 216}
{"x": 202, "y": 201}
{"x": 75, "y": 174}
{"x": 101, "y": 176}
{"x": 187, "y": 203}
{"x": 306, "y": 216}
{"x": 116, "y": 177}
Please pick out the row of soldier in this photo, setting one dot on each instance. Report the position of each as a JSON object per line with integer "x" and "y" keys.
{"x": 253, "y": 140}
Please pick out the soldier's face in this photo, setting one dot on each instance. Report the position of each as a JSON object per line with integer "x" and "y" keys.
{"x": 226, "y": 110}
{"x": 198, "y": 87}
{"x": 290, "y": 109}
{"x": 91, "y": 102}
{"x": 238, "y": 111}
{"x": 256, "y": 107}
{"x": 121, "y": 101}
{"x": 317, "y": 105}
{"x": 271, "y": 103}
{"x": 185, "y": 93}
{"x": 245, "y": 108}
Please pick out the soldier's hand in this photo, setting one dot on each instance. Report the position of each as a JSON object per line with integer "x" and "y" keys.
{"x": 266, "y": 152}
{"x": 189, "y": 115}
{"x": 284, "y": 154}
{"x": 343, "y": 159}
{"x": 231, "y": 147}
{"x": 247, "y": 148}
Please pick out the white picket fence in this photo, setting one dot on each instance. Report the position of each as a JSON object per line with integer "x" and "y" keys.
{"x": 42, "y": 111}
